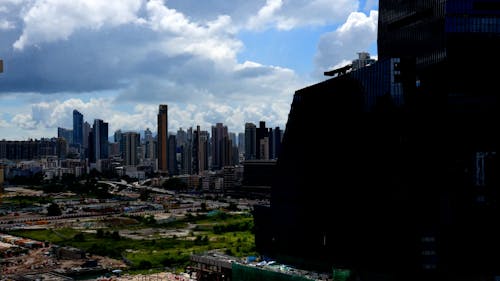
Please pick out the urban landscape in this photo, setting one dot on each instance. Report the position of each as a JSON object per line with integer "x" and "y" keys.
{"x": 382, "y": 167}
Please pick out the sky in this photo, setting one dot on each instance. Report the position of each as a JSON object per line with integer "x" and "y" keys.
{"x": 214, "y": 61}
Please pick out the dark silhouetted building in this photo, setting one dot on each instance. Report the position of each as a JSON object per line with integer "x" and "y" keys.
{"x": 171, "y": 156}
{"x": 407, "y": 186}
{"x": 98, "y": 141}
{"x": 221, "y": 147}
{"x": 163, "y": 138}
{"x": 250, "y": 141}
{"x": 77, "y": 128}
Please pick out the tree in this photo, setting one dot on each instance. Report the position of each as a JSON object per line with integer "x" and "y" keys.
{"x": 79, "y": 237}
{"x": 54, "y": 210}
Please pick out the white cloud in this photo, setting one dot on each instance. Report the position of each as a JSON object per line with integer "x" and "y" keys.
{"x": 24, "y": 121}
{"x": 288, "y": 14}
{"x": 214, "y": 39}
{"x": 355, "y": 35}
{"x": 51, "y": 20}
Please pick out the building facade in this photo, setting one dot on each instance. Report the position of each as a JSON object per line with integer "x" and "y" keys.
{"x": 409, "y": 191}
{"x": 163, "y": 138}
{"x": 250, "y": 141}
{"x": 77, "y": 128}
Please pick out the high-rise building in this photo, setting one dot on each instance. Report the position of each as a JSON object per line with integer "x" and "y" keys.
{"x": 65, "y": 134}
{"x": 200, "y": 151}
{"x": 163, "y": 138}
{"x": 77, "y": 128}
{"x": 447, "y": 41}
{"x": 99, "y": 141}
{"x": 150, "y": 151}
{"x": 241, "y": 142}
{"x": 131, "y": 141}
{"x": 86, "y": 132}
{"x": 276, "y": 144}
{"x": 187, "y": 152}
{"x": 409, "y": 188}
{"x": 221, "y": 147}
{"x": 172, "y": 156}
{"x": 261, "y": 133}
{"x": 250, "y": 141}
{"x": 264, "y": 148}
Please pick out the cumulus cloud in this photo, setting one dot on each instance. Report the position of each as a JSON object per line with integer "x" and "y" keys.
{"x": 355, "y": 35}
{"x": 24, "y": 121}
{"x": 152, "y": 52}
{"x": 285, "y": 15}
{"x": 51, "y": 20}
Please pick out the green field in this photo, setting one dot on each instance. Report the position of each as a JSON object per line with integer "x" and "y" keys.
{"x": 231, "y": 234}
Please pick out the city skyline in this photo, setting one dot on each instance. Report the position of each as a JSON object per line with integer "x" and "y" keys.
{"x": 231, "y": 63}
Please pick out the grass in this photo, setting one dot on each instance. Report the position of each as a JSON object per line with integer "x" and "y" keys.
{"x": 231, "y": 234}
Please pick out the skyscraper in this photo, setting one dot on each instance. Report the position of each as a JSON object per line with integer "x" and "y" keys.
{"x": 131, "y": 141}
{"x": 65, "y": 134}
{"x": 241, "y": 142}
{"x": 99, "y": 140}
{"x": 261, "y": 133}
{"x": 163, "y": 138}
{"x": 86, "y": 132}
{"x": 221, "y": 147}
{"x": 250, "y": 141}
{"x": 447, "y": 40}
{"x": 406, "y": 197}
{"x": 150, "y": 145}
{"x": 77, "y": 127}
{"x": 172, "y": 156}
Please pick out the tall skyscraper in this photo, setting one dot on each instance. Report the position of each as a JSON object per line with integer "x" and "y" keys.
{"x": 86, "y": 132}
{"x": 241, "y": 142}
{"x": 163, "y": 138}
{"x": 149, "y": 144}
{"x": 204, "y": 151}
{"x": 250, "y": 141}
{"x": 221, "y": 147}
{"x": 99, "y": 140}
{"x": 131, "y": 141}
{"x": 261, "y": 133}
{"x": 77, "y": 127}
{"x": 406, "y": 198}
{"x": 445, "y": 39}
{"x": 172, "y": 156}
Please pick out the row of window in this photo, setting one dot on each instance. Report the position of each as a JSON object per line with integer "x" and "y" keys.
{"x": 473, "y": 24}
{"x": 472, "y": 7}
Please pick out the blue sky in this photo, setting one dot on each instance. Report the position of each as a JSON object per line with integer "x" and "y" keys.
{"x": 211, "y": 61}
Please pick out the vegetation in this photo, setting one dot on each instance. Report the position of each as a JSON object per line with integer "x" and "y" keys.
{"x": 230, "y": 233}
{"x": 26, "y": 201}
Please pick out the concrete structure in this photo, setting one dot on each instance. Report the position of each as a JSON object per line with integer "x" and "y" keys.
{"x": 363, "y": 60}
{"x": 409, "y": 188}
